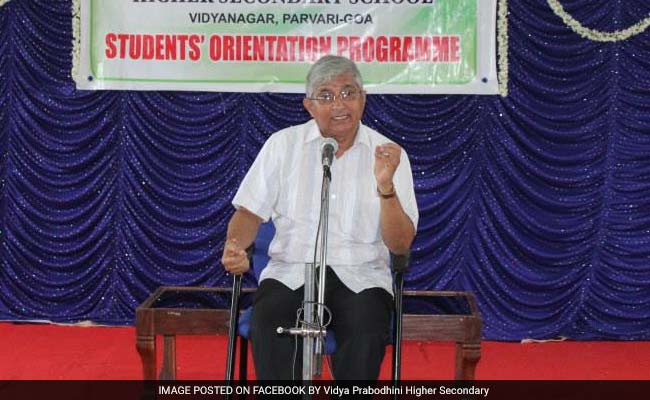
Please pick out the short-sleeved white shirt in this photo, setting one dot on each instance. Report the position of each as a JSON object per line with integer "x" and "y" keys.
{"x": 284, "y": 184}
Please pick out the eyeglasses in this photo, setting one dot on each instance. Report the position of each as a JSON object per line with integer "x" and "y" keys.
{"x": 329, "y": 98}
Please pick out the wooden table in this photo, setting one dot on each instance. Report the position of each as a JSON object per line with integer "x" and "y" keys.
{"x": 174, "y": 310}
{"x": 448, "y": 317}
{"x": 171, "y": 311}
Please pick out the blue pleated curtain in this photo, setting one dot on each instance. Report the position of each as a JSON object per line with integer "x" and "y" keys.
{"x": 538, "y": 202}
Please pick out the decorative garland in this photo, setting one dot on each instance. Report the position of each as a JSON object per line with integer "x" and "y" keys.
{"x": 3, "y": 2}
{"x": 76, "y": 36}
{"x": 502, "y": 40}
{"x": 593, "y": 34}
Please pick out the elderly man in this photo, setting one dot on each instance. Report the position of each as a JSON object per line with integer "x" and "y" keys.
{"x": 372, "y": 210}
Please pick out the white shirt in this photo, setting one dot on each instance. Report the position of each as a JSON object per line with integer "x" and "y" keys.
{"x": 284, "y": 184}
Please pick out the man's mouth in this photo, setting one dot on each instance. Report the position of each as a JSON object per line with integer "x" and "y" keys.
{"x": 340, "y": 117}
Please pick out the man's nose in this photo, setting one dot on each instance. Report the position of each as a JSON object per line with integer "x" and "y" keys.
{"x": 338, "y": 100}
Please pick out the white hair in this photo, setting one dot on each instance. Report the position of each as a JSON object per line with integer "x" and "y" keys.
{"x": 329, "y": 67}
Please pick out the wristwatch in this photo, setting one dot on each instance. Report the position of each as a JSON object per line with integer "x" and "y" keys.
{"x": 387, "y": 195}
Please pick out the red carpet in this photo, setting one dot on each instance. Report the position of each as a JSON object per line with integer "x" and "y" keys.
{"x": 32, "y": 351}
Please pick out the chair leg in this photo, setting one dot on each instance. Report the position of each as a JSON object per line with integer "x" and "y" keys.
{"x": 397, "y": 327}
{"x": 232, "y": 329}
{"x": 243, "y": 359}
{"x": 397, "y": 330}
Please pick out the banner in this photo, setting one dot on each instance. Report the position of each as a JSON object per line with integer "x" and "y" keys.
{"x": 400, "y": 46}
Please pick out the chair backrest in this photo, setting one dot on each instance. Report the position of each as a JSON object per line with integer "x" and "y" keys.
{"x": 261, "y": 250}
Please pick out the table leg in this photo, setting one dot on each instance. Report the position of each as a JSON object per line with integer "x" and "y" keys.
{"x": 467, "y": 356}
{"x": 146, "y": 346}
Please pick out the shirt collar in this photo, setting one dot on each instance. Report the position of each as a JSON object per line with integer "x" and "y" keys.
{"x": 313, "y": 133}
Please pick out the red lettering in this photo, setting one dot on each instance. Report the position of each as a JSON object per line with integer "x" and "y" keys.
{"x": 422, "y": 48}
{"x": 182, "y": 43}
{"x": 292, "y": 47}
{"x": 215, "y": 47}
{"x": 441, "y": 51}
{"x": 238, "y": 47}
{"x": 159, "y": 47}
{"x": 355, "y": 48}
{"x": 123, "y": 38}
{"x": 271, "y": 43}
{"x": 311, "y": 48}
{"x": 258, "y": 48}
{"x": 170, "y": 47}
{"x": 135, "y": 48}
{"x": 454, "y": 49}
{"x": 382, "y": 49}
{"x": 324, "y": 46}
{"x": 395, "y": 49}
{"x": 246, "y": 51}
{"x": 195, "y": 50}
{"x": 407, "y": 49}
{"x": 281, "y": 49}
{"x": 342, "y": 45}
{"x": 111, "y": 50}
{"x": 148, "y": 47}
{"x": 228, "y": 48}
{"x": 368, "y": 49}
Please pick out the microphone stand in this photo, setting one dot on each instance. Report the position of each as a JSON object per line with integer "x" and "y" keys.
{"x": 312, "y": 329}
{"x": 312, "y": 320}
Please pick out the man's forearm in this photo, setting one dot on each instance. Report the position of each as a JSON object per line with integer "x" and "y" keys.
{"x": 397, "y": 229}
{"x": 243, "y": 226}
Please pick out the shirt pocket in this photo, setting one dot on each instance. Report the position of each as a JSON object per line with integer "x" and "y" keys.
{"x": 364, "y": 220}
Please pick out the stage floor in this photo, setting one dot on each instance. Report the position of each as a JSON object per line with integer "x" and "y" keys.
{"x": 44, "y": 351}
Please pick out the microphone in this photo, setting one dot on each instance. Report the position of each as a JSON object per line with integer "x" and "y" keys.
{"x": 328, "y": 148}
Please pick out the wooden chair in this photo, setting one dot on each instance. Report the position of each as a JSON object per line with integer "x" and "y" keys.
{"x": 257, "y": 255}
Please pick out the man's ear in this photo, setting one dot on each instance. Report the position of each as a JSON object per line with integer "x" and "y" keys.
{"x": 308, "y": 106}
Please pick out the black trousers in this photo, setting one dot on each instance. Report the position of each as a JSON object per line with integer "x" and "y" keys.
{"x": 360, "y": 322}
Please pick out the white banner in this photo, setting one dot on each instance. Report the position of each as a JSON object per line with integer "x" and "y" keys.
{"x": 400, "y": 46}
